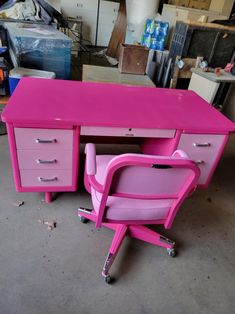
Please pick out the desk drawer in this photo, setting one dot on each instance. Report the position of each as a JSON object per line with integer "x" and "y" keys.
{"x": 44, "y": 159}
{"x": 30, "y": 138}
{"x": 204, "y": 149}
{"x": 128, "y": 132}
{"x": 40, "y": 178}
{"x": 109, "y": 7}
{"x": 107, "y": 19}
{"x": 87, "y": 4}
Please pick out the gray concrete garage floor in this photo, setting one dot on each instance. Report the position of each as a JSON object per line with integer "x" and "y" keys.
{"x": 58, "y": 271}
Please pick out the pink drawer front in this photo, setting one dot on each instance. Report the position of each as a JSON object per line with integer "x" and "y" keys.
{"x": 40, "y": 178}
{"x": 128, "y": 132}
{"x": 44, "y": 159}
{"x": 30, "y": 138}
{"x": 204, "y": 149}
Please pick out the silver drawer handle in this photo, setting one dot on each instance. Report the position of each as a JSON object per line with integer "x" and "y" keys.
{"x": 47, "y": 180}
{"x": 41, "y": 141}
{"x": 202, "y": 144}
{"x": 200, "y": 162}
{"x": 40, "y": 161}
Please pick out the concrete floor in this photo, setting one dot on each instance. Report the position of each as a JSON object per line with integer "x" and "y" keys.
{"x": 58, "y": 271}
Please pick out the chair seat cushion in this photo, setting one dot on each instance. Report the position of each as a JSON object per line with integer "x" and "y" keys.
{"x": 119, "y": 208}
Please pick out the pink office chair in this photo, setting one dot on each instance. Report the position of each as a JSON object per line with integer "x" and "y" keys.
{"x": 131, "y": 190}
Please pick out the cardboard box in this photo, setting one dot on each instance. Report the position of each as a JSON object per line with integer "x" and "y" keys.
{"x": 222, "y": 6}
{"x": 133, "y": 59}
{"x": 181, "y": 3}
{"x": 200, "y": 4}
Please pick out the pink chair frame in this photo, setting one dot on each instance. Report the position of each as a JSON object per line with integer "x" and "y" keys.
{"x": 135, "y": 229}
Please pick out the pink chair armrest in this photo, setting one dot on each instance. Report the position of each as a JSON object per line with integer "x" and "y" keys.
{"x": 90, "y": 152}
{"x": 180, "y": 153}
{"x": 91, "y": 167}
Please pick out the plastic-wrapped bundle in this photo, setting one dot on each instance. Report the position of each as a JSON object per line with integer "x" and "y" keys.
{"x": 40, "y": 47}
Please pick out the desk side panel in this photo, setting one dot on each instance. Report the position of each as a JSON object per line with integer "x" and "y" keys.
{"x": 13, "y": 155}
{"x": 76, "y": 150}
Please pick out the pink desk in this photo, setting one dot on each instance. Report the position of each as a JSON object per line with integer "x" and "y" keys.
{"x": 45, "y": 119}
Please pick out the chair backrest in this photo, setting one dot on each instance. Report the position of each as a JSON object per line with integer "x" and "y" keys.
{"x": 147, "y": 177}
{"x": 143, "y": 176}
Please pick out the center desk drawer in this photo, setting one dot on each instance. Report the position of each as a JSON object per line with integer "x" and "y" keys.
{"x": 128, "y": 132}
{"x": 31, "y": 138}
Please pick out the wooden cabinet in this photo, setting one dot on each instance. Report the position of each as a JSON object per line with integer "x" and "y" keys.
{"x": 98, "y": 16}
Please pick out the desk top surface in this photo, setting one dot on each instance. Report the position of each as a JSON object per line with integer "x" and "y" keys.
{"x": 58, "y": 103}
{"x": 93, "y": 73}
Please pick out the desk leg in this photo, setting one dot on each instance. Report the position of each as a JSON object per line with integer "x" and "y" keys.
{"x": 160, "y": 146}
{"x": 48, "y": 197}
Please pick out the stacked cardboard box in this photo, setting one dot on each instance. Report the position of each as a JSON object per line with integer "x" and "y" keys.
{"x": 223, "y": 7}
{"x": 200, "y": 4}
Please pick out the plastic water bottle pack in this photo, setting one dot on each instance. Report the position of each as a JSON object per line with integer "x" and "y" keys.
{"x": 155, "y": 34}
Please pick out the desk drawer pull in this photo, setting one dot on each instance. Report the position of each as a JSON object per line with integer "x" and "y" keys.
{"x": 200, "y": 162}
{"x": 41, "y": 141}
{"x": 202, "y": 144}
{"x": 40, "y": 161}
{"x": 47, "y": 180}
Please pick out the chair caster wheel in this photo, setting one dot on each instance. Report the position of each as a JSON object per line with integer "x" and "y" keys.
{"x": 171, "y": 252}
{"x": 83, "y": 219}
{"x": 108, "y": 279}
